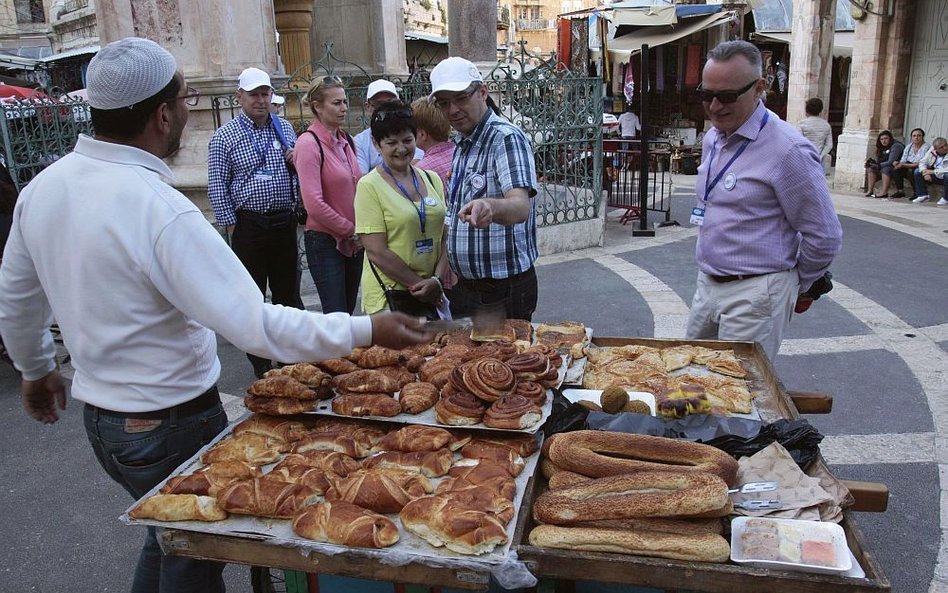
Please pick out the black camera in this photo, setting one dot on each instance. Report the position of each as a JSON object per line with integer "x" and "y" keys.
{"x": 823, "y": 285}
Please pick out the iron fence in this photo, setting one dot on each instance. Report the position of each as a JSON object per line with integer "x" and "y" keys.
{"x": 37, "y": 132}
{"x": 559, "y": 110}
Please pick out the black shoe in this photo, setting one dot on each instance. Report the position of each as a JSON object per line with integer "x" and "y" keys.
{"x": 899, "y": 194}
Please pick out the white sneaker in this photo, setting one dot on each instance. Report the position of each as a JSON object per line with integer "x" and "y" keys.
{"x": 942, "y": 202}
{"x": 920, "y": 199}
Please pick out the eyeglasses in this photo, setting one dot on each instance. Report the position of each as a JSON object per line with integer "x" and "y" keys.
{"x": 394, "y": 114}
{"x": 722, "y": 96}
{"x": 461, "y": 99}
{"x": 190, "y": 99}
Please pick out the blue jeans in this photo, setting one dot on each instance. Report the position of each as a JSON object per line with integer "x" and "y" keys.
{"x": 138, "y": 458}
{"x": 335, "y": 275}
{"x": 921, "y": 189}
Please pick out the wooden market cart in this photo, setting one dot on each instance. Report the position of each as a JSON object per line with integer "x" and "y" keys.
{"x": 774, "y": 402}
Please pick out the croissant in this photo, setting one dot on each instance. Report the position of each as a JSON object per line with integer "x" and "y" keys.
{"x": 345, "y": 524}
{"x": 414, "y": 363}
{"x": 200, "y": 483}
{"x": 523, "y": 445}
{"x": 479, "y": 470}
{"x": 498, "y": 454}
{"x": 266, "y": 498}
{"x": 365, "y": 381}
{"x": 281, "y": 386}
{"x": 278, "y": 406}
{"x": 272, "y": 426}
{"x": 330, "y": 461}
{"x": 366, "y": 404}
{"x": 178, "y": 507}
{"x": 416, "y": 438}
{"x": 400, "y": 375}
{"x": 309, "y": 375}
{"x": 231, "y": 469}
{"x": 381, "y": 492}
{"x": 338, "y": 366}
{"x": 415, "y": 398}
{"x": 379, "y": 356}
{"x": 331, "y": 441}
{"x": 255, "y": 449}
{"x": 503, "y": 485}
{"x": 479, "y": 497}
{"x": 317, "y": 479}
{"x": 430, "y": 463}
{"x": 443, "y": 522}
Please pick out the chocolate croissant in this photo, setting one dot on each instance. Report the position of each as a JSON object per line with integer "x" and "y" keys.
{"x": 379, "y": 356}
{"x": 278, "y": 406}
{"x": 309, "y": 375}
{"x": 366, "y": 404}
{"x": 338, "y": 366}
{"x": 417, "y": 397}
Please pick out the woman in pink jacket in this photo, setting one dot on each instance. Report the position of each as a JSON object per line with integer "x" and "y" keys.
{"x": 328, "y": 170}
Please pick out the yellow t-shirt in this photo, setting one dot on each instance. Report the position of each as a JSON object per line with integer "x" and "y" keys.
{"x": 379, "y": 208}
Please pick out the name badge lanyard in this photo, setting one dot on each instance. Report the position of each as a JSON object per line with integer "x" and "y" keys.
{"x": 401, "y": 188}
{"x": 709, "y": 184}
{"x": 261, "y": 152}
{"x": 457, "y": 181}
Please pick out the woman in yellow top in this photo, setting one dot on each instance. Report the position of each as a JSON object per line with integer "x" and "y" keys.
{"x": 399, "y": 211}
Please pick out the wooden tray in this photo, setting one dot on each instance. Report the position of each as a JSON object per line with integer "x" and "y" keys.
{"x": 773, "y": 404}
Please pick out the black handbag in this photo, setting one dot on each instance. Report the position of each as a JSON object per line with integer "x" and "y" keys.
{"x": 405, "y": 302}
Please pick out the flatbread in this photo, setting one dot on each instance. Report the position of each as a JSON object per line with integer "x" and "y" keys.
{"x": 677, "y": 357}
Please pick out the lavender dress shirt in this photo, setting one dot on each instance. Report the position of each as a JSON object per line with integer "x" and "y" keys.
{"x": 777, "y": 214}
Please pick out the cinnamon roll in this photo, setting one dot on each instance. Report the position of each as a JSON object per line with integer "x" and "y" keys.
{"x": 489, "y": 379}
{"x": 529, "y": 366}
{"x": 531, "y": 390}
{"x": 459, "y": 409}
{"x": 512, "y": 412}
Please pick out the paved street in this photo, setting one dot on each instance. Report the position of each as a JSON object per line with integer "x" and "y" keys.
{"x": 878, "y": 343}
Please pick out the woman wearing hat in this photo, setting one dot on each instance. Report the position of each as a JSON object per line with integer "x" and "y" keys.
{"x": 400, "y": 220}
{"x": 328, "y": 170}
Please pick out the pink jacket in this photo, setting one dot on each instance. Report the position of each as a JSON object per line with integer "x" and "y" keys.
{"x": 329, "y": 197}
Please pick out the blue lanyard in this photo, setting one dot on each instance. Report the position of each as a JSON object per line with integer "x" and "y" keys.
{"x": 262, "y": 153}
{"x": 709, "y": 185}
{"x": 401, "y": 188}
{"x": 457, "y": 180}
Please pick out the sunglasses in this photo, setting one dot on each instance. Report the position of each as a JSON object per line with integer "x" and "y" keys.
{"x": 722, "y": 96}
{"x": 459, "y": 99}
{"x": 396, "y": 114}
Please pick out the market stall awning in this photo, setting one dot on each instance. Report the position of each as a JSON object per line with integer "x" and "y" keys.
{"x": 17, "y": 62}
{"x": 777, "y": 16}
{"x": 419, "y": 36}
{"x": 842, "y": 40}
{"x": 624, "y": 18}
{"x": 626, "y": 45}
{"x": 71, "y": 53}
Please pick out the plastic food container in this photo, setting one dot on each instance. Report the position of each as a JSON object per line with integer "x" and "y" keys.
{"x": 790, "y": 544}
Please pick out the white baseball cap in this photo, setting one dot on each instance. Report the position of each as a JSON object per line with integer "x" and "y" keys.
{"x": 252, "y": 78}
{"x": 454, "y": 74}
{"x": 380, "y": 86}
{"x": 277, "y": 99}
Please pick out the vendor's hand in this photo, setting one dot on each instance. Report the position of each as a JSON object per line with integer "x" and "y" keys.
{"x": 803, "y": 303}
{"x": 477, "y": 213}
{"x": 43, "y": 397}
{"x": 427, "y": 291}
{"x": 397, "y": 330}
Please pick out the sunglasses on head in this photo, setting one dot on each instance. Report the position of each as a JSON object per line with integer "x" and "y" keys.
{"x": 395, "y": 114}
{"x": 722, "y": 96}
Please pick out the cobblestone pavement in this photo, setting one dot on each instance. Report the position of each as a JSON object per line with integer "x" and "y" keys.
{"x": 878, "y": 343}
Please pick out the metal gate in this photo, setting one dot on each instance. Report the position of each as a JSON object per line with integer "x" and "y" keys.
{"x": 559, "y": 110}
{"x": 37, "y": 132}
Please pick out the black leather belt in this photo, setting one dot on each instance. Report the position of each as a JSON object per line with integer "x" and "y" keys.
{"x": 201, "y": 403}
{"x": 723, "y": 279}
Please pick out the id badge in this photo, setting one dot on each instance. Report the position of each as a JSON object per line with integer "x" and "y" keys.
{"x": 263, "y": 175}
{"x": 424, "y": 246}
{"x": 697, "y": 216}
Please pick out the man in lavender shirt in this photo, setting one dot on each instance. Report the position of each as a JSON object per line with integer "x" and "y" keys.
{"x": 767, "y": 227}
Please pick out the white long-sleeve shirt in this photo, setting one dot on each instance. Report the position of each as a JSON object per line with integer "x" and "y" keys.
{"x": 139, "y": 282}
{"x": 819, "y": 132}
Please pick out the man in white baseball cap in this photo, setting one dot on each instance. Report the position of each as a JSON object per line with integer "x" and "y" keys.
{"x": 276, "y": 104}
{"x": 378, "y": 93}
{"x": 491, "y": 236}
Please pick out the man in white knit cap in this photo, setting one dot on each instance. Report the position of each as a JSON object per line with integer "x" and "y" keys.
{"x": 139, "y": 282}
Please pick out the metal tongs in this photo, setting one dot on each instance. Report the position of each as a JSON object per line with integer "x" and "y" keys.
{"x": 756, "y": 505}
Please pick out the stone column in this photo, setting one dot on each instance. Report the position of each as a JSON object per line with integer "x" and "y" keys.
{"x": 212, "y": 41}
{"x": 370, "y": 33}
{"x": 880, "y": 69}
{"x": 472, "y": 30}
{"x": 293, "y": 20}
{"x": 811, "y": 55}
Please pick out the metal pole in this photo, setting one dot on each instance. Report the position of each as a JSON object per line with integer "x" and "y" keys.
{"x": 644, "y": 230}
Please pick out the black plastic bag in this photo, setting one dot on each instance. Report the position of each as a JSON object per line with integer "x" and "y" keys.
{"x": 798, "y": 437}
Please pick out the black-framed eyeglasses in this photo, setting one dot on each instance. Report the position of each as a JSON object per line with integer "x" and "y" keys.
{"x": 723, "y": 96}
{"x": 190, "y": 99}
{"x": 394, "y": 114}
{"x": 460, "y": 99}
